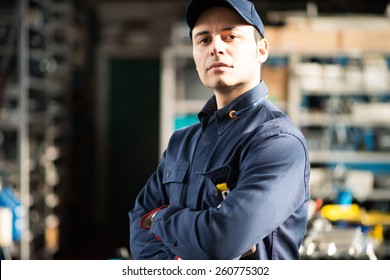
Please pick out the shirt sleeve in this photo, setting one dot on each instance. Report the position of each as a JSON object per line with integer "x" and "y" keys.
{"x": 272, "y": 185}
{"x": 143, "y": 244}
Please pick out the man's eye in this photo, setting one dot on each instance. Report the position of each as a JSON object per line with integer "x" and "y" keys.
{"x": 204, "y": 40}
{"x": 231, "y": 37}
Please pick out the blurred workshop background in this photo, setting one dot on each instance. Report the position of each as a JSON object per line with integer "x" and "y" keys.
{"x": 90, "y": 91}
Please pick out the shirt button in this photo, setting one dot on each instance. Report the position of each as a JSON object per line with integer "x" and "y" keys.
{"x": 233, "y": 114}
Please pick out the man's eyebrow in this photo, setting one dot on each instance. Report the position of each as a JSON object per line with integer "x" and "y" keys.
{"x": 200, "y": 33}
{"x": 204, "y": 32}
{"x": 229, "y": 28}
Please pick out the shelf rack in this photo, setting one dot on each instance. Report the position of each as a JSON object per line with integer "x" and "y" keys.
{"x": 34, "y": 117}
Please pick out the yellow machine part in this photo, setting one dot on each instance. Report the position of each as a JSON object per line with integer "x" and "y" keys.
{"x": 353, "y": 213}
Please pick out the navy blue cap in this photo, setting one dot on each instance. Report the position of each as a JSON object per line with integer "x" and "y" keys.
{"x": 244, "y": 8}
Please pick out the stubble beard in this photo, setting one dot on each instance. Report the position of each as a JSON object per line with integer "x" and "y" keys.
{"x": 223, "y": 87}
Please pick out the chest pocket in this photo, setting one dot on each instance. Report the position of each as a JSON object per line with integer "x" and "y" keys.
{"x": 212, "y": 196}
{"x": 173, "y": 180}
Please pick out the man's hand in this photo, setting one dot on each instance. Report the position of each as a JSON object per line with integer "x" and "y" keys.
{"x": 147, "y": 221}
{"x": 249, "y": 252}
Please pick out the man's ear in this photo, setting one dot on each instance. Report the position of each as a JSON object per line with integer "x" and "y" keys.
{"x": 262, "y": 53}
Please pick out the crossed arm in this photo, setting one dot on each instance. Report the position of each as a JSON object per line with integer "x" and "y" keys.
{"x": 269, "y": 189}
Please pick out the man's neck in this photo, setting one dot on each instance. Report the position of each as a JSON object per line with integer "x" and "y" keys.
{"x": 226, "y": 95}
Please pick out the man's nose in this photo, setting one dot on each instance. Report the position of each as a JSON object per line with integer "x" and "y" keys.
{"x": 218, "y": 46}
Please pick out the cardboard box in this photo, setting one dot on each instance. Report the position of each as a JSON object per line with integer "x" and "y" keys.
{"x": 366, "y": 40}
{"x": 276, "y": 78}
{"x": 309, "y": 40}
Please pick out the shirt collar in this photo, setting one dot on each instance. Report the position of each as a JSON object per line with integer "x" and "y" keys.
{"x": 242, "y": 103}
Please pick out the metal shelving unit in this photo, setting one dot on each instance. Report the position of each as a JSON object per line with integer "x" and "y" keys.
{"x": 341, "y": 101}
{"x": 34, "y": 119}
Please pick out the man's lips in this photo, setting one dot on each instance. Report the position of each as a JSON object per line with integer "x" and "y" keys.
{"x": 218, "y": 65}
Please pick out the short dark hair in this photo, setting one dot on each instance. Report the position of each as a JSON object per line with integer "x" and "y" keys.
{"x": 258, "y": 36}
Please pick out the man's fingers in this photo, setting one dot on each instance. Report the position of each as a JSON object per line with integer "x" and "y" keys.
{"x": 249, "y": 252}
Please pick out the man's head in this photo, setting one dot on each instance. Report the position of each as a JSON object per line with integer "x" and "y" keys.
{"x": 227, "y": 54}
{"x": 244, "y": 8}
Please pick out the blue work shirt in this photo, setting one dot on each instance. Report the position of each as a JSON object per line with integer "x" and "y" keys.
{"x": 252, "y": 147}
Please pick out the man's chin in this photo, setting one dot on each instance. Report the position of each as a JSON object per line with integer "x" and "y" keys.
{"x": 222, "y": 86}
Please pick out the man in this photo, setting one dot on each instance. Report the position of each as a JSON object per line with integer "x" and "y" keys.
{"x": 234, "y": 185}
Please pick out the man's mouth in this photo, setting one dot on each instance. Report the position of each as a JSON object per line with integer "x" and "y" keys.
{"x": 218, "y": 65}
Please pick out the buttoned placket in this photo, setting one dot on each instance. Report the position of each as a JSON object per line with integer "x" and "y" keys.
{"x": 204, "y": 149}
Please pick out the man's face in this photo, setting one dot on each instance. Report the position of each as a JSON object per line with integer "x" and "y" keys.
{"x": 225, "y": 51}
